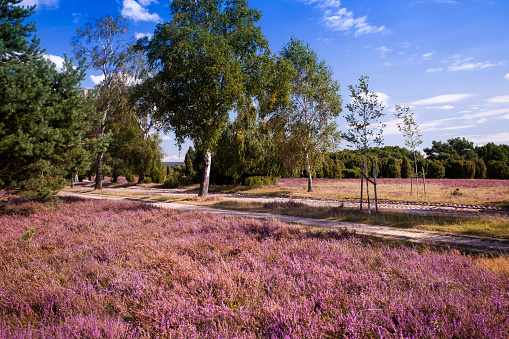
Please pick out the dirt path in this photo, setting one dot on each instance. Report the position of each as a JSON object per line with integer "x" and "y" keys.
{"x": 487, "y": 245}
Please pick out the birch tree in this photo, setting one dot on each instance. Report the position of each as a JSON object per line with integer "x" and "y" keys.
{"x": 306, "y": 126}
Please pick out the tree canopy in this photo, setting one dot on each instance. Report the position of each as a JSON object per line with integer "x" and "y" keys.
{"x": 209, "y": 59}
{"x": 305, "y": 126}
{"x": 44, "y": 118}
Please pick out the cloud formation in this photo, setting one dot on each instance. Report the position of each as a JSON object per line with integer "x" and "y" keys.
{"x": 434, "y": 70}
{"x": 97, "y": 79}
{"x": 58, "y": 61}
{"x": 135, "y": 11}
{"x": 503, "y": 99}
{"x": 138, "y": 35}
{"x": 41, "y": 3}
{"x": 446, "y": 107}
{"x": 468, "y": 64}
{"x": 506, "y": 76}
{"x": 502, "y": 138}
{"x": 441, "y": 99}
{"x": 173, "y": 158}
{"x": 336, "y": 18}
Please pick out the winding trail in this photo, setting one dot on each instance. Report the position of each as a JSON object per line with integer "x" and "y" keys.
{"x": 478, "y": 244}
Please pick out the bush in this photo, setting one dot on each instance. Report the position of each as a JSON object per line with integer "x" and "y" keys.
{"x": 498, "y": 169}
{"x": 172, "y": 181}
{"x": 406, "y": 168}
{"x": 130, "y": 177}
{"x": 352, "y": 173}
{"x": 436, "y": 169}
{"x": 390, "y": 167}
{"x": 260, "y": 181}
{"x": 147, "y": 180}
{"x": 333, "y": 169}
{"x": 460, "y": 169}
{"x": 480, "y": 169}
{"x": 157, "y": 172}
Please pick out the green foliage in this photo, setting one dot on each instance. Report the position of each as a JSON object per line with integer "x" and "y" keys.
{"x": 490, "y": 152}
{"x": 406, "y": 168}
{"x": 480, "y": 168}
{"x": 498, "y": 169}
{"x": 130, "y": 177}
{"x": 190, "y": 155}
{"x": 172, "y": 180}
{"x": 157, "y": 172}
{"x": 260, "y": 181}
{"x": 364, "y": 127}
{"x": 390, "y": 167}
{"x": 457, "y": 192}
{"x": 44, "y": 117}
{"x": 28, "y": 235}
{"x": 209, "y": 58}
{"x": 352, "y": 173}
{"x": 332, "y": 169}
{"x": 460, "y": 169}
{"x": 305, "y": 126}
{"x": 435, "y": 169}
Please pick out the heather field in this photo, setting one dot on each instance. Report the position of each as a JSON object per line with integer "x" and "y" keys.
{"x": 107, "y": 269}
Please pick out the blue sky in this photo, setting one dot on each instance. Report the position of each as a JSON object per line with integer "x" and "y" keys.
{"x": 446, "y": 59}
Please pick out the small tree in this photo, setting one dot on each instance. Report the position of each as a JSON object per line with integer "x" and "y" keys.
{"x": 364, "y": 126}
{"x": 305, "y": 126}
{"x": 103, "y": 44}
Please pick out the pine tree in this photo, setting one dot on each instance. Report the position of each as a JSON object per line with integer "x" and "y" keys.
{"x": 43, "y": 113}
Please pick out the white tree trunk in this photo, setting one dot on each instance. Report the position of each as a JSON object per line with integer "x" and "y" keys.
{"x": 204, "y": 187}
{"x": 310, "y": 176}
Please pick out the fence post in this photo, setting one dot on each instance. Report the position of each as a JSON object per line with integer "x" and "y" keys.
{"x": 424, "y": 181}
{"x": 362, "y": 182}
{"x": 412, "y": 182}
{"x": 374, "y": 184}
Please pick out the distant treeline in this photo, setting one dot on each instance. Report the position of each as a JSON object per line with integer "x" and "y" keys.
{"x": 456, "y": 158}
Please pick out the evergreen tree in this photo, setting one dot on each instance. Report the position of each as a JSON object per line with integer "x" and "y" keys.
{"x": 44, "y": 118}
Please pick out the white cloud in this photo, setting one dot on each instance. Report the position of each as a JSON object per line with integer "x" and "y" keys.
{"x": 173, "y": 158}
{"x": 383, "y": 98}
{"x": 135, "y": 11}
{"x": 389, "y": 64}
{"x": 506, "y": 116}
{"x": 391, "y": 127}
{"x": 434, "y": 70}
{"x": 427, "y": 55}
{"x": 482, "y": 120}
{"x": 504, "y": 99}
{"x": 40, "y": 3}
{"x": 166, "y": 138}
{"x": 446, "y": 107}
{"x": 442, "y": 99}
{"x": 468, "y": 65}
{"x": 489, "y": 113}
{"x": 497, "y": 138}
{"x": 506, "y": 76}
{"x": 383, "y": 50}
{"x": 344, "y": 20}
{"x": 143, "y": 35}
{"x": 96, "y": 79}
{"x": 58, "y": 61}
{"x": 323, "y": 3}
{"x": 145, "y": 3}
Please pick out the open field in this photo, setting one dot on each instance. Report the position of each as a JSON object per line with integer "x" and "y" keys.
{"x": 475, "y": 193}
{"x": 104, "y": 269}
{"x": 471, "y": 192}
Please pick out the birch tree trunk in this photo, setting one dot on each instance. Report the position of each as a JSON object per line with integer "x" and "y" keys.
{"x": 310, "y": 177}
{"x": 204, "y": 187}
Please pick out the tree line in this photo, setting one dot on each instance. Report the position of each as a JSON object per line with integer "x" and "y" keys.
{"x": 209, "y": 60}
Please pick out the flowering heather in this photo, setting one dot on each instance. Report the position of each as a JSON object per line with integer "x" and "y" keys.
{"x": 104, "y": 269}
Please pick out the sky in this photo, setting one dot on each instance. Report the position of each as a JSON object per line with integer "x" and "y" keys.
{"x": 448, "y": 60}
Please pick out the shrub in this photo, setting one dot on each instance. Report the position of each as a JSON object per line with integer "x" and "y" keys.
{"x": 460, "y": 169}
{"x": 457, "y": 192}
{"x": 147, "y": 180}
{"x": 406, "y": 168}
{"x": 352, "y": 173}
{"x": 172, "y": 180}
{"x": 333, "y": 169}
{"x": 498, "y": 169}
{"x": 259, "y": 181}
{"x": 480, "y": 169}
{"x": 390, "y": 167}
{"x": 130, "y": 177}
{"x": 436, "y": 170}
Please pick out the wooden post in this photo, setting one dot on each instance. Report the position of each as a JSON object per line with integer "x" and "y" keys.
{"x": 412, "y": 182}
{"x": 416, "y": 180}
{"x": 367, "y": 189}
{"x": 424, "y": 181}
{"x": 362, "y": 182}
{"x": 374, "y": 184}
